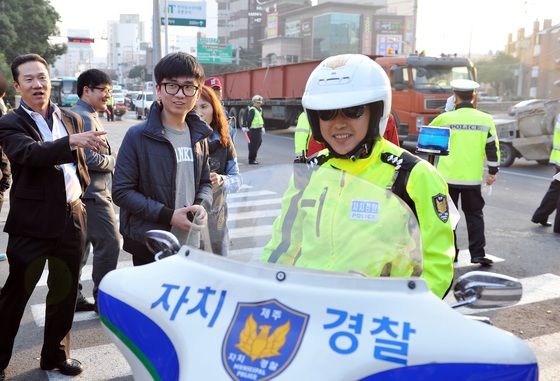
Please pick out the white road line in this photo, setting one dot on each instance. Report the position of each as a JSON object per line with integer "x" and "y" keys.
{"x": 464, "y": 259}
{"x": 38, "y": 312}
{"x": 547, "y": 350}
{"x": 245, "y": 255}
{"x": 535, "y": 289}
{"x": 545, "y": 178}
{"x": 102, "y": 362}
{"x": 245, "y": 204}
{"x": 254, "y": 214}
{"x": 250, "y": 194}
{"x": 251, "y": 231}
{"x": 86, "y": 272}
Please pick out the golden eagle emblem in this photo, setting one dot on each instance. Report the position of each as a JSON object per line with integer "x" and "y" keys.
{"x": 257, "y": 342}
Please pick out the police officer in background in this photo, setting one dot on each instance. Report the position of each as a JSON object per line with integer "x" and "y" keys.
{"x": 473, "y": 140}
{"x": 551, "y": 199}
{"x": 254, "y": 124}
{"x": 352, "y": 127}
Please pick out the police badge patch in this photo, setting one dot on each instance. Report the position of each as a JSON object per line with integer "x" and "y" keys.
{"x": 262, "y": 340}
{"x": 441, "y": 207}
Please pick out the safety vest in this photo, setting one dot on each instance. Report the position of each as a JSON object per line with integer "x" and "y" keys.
{"x": 471, "y": 131}
{"x": 317, "y": 219}
{"x": 302, "y": 134}
{"x": 258, "y": 121}
{"x": 555, "y": 153}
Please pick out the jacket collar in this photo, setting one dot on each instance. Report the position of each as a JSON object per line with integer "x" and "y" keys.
{"x": 86, "y": 106}
{"x": 198, "y": 128}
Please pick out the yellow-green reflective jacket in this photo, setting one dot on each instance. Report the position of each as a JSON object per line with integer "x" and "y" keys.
{"x": 316, "y": 228}
{"x": 473, "y": 140}
{"x": 302, "y": 134}
{"x": 258, "y": 120}
{"x": 555, "y": 153}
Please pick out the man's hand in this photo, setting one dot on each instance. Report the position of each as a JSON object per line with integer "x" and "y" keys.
{"x": 190, "y": 217}
{"x": 490, "y": 179}
{"x": 91, "y": 140}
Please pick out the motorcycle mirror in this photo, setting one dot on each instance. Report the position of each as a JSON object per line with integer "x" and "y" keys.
{"x": 480, "y": 289}
{"x": 161, "y": 243}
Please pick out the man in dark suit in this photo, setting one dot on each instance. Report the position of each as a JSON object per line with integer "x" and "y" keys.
{"x": 47, "y": 218}
{"x": 94, "y": 89}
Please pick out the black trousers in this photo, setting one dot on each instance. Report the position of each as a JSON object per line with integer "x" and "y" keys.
{"x": 27, "y": 257}
{"x": 549, "y": 203}
{"x": 255, "y": 136}
{"x": 472, "y": 204}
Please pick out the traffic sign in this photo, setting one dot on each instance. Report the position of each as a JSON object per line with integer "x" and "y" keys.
{"x": 211, "y": 51}
{"x": 184, "y": 13}
{"x": 183, "y": 22}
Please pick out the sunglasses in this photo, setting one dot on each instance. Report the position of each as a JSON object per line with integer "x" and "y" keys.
{"x": 350, "y": 112}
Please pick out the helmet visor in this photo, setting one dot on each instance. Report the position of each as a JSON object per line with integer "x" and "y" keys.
{"x": 354, "y": 112}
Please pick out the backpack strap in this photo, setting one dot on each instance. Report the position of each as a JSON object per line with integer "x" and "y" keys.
{"x": 403, "y": 166}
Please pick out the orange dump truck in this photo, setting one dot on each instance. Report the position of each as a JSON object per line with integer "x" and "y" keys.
{"x": 420, "y": 89}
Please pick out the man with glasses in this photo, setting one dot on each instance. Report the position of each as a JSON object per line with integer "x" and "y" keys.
{"x": 94, "y": 90}
{"x": 350, "y": 117}
{"x": 162, "y": 177}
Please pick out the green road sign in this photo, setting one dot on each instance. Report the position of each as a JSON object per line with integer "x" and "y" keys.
{"x": 210, "y": 51}
{"x": 184, "y": 22}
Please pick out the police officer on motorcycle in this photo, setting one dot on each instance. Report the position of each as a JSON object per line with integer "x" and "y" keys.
{"x": 348, "y": 101}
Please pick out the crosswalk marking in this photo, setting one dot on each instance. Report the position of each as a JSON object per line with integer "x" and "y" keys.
{"x": 250, "y": 194}
{"x": 251, "y": 231}
{"x": 253, "y": 203}
{"x": 86, "y": 272}
{"x": 38, "y": 312}
{"x": 547, "y": 350}
{"x": 254, "y": 214}
{"x": 464, "y": 259}
{"x": 102, "y": 362}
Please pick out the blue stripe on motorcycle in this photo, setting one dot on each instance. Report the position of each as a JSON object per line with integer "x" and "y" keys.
{"x": 459, "y": 372}
{"x": 141, "y": 335}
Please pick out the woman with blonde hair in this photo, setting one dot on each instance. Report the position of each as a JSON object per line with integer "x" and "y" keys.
{"x": 224, "y": 171}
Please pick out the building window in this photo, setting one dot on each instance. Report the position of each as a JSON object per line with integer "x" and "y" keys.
{"x": 336, "y": 33}
{"x": 292, "y": 58}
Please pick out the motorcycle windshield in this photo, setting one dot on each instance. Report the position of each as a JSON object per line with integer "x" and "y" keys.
{"x": 318, "y": 218}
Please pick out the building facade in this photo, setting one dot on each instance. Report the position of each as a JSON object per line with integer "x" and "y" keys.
{"x": 289, "y": 31}
{"x": 78, "y": 57}
{"x": 538, "y": 75}
{"x": 126, "y": 45}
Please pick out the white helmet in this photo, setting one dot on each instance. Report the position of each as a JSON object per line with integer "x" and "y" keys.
{"x": 257, "y": 98}
{"x": 348, "y": 80}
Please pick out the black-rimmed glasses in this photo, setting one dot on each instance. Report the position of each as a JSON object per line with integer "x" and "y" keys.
{"x": 350, "y": 112}
{"x": 105, "y": 90}
{"x": 173, "y": 89}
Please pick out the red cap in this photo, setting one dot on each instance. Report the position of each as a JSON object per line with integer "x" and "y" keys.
{"x": 213, "y": 82}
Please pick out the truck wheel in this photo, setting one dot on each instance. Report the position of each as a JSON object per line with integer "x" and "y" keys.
{"x": 242, "y": 116}
{"x": 233, "y": 113}
{"x": 146, "y": 113}
{"x": 543, "y": 162}
{"x": 507, "y": 154}
{"x": 138, "y": 116}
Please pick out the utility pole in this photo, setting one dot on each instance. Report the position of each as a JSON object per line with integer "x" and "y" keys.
{"x": 156, "y": 33}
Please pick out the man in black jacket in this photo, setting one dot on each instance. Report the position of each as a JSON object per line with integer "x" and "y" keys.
{"x": 162, "y": 177}
{"x": 46, "y": 219}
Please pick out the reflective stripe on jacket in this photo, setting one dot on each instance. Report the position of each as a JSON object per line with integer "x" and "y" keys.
{"x": 473, "y": 140}
{"x": 555, "y": 153}
{"x": 317, "y": 220}
{"x": 258, "y": 121}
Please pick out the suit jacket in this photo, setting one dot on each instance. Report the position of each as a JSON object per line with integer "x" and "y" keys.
{"x": 38, "y": 194}
{"x": 100, "y": 164}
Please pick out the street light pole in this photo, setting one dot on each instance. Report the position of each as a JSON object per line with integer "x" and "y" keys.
{"x": 156, "y": 33}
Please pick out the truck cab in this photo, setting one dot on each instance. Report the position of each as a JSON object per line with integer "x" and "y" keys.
{"x": 421, "y": 86}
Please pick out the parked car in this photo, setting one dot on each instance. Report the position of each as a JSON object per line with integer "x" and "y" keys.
{"x": 143, "y": 103}
{"x": 129, "y": 99}
{"x": 118, "y": 96}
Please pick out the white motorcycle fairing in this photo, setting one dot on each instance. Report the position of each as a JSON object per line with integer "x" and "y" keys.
{"x": 216, "y": 319}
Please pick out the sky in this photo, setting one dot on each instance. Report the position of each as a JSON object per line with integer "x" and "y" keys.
{"x": 444, "y": 26}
